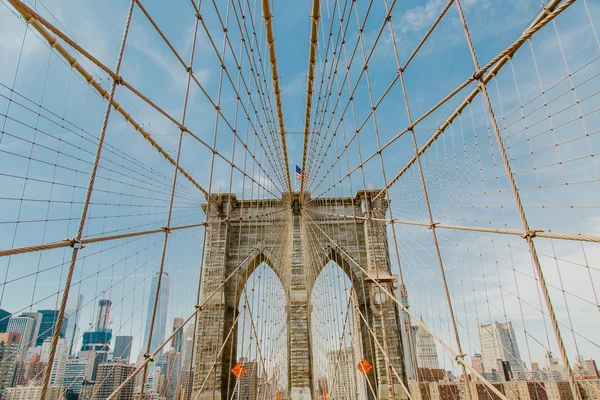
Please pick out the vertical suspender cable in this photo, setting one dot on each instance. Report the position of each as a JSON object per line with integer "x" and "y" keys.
{"x": 84, "y": 211}
{"x": 312, "y": 59}
{"x": 276, "y": 88}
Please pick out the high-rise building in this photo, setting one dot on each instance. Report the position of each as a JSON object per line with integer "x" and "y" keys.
{"x": 79, "y": 369}
{"x": 249, "y": 381}
{"x": 73, "y": 313}
{"x": 9, "y": 346}
{"x": 122, "y": 348}
{"x": 498, "y": 342}
{"x": 4, "y": 317}
{"x": 407, "y": 331}
{"x": 591, "y": 368}
{"x": 47, "y": 324}
{"x": 37, "y": 317}
{"x": 162, "y": 306}
{"x": 29, "y": 371}
{"x": 177, "y": 342}
{"x": 342, "y": 374}
{"x": 34, "y": 392}
{"x": 188, "y": 346}
{"x": 97, "y": 340}
{"x": 25, "y": 326}
{"x": 170, "y": 371}
{"x": 187, "y": 384}
{"x": 110, "y": 376}
{"x": 95, "y": 358}
{"x": 103, "y": 318}
{"x": 152, "y": 386}
{"x": 477, "y": 362}
{"x": 553, "y": 365}
{"x": 426, "y": 349}
{"x": 60, "y": 359}
{"x": 87, "y": 391}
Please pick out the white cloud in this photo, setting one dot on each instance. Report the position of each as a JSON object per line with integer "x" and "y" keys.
{"x": 421, "y": 17}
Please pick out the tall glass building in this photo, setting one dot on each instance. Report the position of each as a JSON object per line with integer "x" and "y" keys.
{"x": 160, "y": 322}
{"x": 47, "y": 324}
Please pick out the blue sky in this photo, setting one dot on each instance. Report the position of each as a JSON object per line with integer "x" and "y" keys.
{"x": 463, "y": 169}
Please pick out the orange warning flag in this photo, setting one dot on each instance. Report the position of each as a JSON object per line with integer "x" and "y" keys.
{"x": 239, "y": 370}
{"x": 324, "y": 395}
{"x": 276, "y": 395}
{"x": 364, "y": 366}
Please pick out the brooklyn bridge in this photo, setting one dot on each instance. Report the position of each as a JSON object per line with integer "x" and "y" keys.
{"x": 310, "y": 199}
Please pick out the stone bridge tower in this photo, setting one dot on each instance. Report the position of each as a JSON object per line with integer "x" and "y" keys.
{"x": 358, "y": 245}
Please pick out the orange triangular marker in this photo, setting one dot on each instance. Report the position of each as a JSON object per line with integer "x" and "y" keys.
{"x": 239, "y": 370}
{"x": 364, "y": 366}
{"x": 276, "y": 395}
{"x": 324, "y": 395}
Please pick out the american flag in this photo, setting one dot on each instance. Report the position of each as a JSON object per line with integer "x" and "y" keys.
{"x": 299, "y": 175}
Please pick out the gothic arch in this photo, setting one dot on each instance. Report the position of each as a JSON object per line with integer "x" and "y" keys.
{"x": 236, "y": 284}
{"x": 354, "y": 273}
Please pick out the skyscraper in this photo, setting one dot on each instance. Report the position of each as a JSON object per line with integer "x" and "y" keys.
{"x": 188, "y": 346}
{"x": 341, "y": 374}
{"x": 477, "y": 362}
{"x": 554, "y": 367}
{"x": 170, "y": 370}
{"x": 37, "y": 317}
{"x": 122, "y": 348}
{"x": 498, "y": 342}
{"x": 28, "y": 371}
{"x": 406, "y": 330}
{"x": 103, "y": 317}
{"x": 25, "y": 326}
{"x": 249, "y": 381}
{"x": 47, "y": 325}
{"x": 73, "y": 312}
{"x": 160, "y": 322}
{"x": 79, "y": 369}
{"x": 97, "y": 340}
{"x": 9, "y": 345}
{"x": 187, "y": 383}
{"x": 111, "y": 376}
{"x": 4, "y": 316}
{"x": 177, "y": 342}
{"x": 591, "y": 368}
{"x": 60, "y": 360}
{"x": 34, "y": 392}
{"x": 426, "y": 349}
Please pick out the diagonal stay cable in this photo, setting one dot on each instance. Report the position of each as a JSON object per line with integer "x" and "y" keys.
{"x": 224, "y": 69}
{"x": 550, "y": 12}
{"x": 41, "y": 24}
{"x": 459, "y": 358}
{"x": 198, "y": 307}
